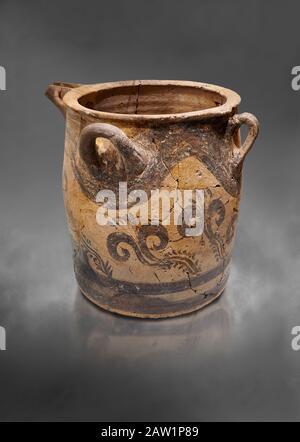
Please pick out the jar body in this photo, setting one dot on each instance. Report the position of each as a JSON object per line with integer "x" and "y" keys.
{"x": 149, "y": 270}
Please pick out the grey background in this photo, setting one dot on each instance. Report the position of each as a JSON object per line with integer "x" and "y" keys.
{"x": 67, "y": 360}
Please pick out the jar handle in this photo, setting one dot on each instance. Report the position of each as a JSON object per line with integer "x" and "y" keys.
{"x": 234, "y": 124}
{"x": 135, "y": 157}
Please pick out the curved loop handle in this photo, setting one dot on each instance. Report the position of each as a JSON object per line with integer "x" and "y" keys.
{"x": 235, "y": 122}
{"x": 134, "y": 156}
{"x": 56, "y": 91}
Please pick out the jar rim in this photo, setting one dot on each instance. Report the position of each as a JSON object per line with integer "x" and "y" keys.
{"x": 231, "y": 100}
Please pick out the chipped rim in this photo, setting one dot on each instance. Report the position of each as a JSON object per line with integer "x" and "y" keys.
{"x": 232, "y": 100}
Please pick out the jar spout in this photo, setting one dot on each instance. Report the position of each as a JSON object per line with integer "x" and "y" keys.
{"x": 56, "y": 91}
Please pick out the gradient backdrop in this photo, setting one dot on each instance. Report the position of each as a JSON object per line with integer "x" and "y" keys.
{"x": 67, "y": 360}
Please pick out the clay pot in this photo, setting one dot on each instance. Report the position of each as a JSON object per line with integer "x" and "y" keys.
{"x": 172, "y": 135}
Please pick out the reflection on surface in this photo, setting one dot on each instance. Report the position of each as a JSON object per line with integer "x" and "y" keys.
{"x": 114, "y": 334}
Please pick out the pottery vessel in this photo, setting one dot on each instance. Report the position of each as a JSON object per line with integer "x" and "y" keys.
{"x": 173, "y": 135}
